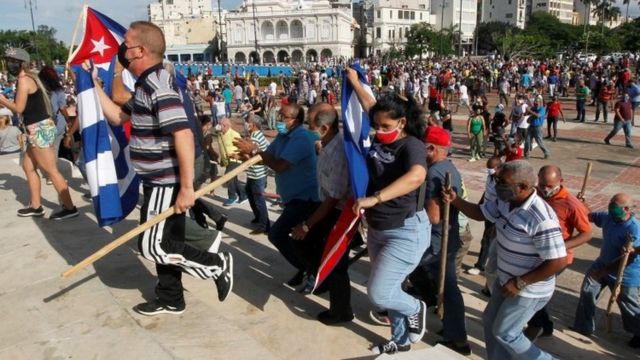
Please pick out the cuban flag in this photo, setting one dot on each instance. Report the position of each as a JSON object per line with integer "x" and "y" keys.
{"x": 113, "y": 182}
{"x": 355, "y": 125}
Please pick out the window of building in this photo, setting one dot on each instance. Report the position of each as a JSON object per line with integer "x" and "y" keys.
{"x": 508, "y": 16}
{"x": 172, "y": 57}
{"x": 399, "y": 14}
{"x": 393, "y": 33}
{"x": 421, "y": 15}
{"x": 185, "y": 57}
{"x": 413, "y": 15}
{"x": 406, "y": 32}
{"x": 489, "y": 15}
{"x": 378, "y": 13}
{"x": 389, "y": 34}
{"x": 509, "y": 2}
{"x": 198, "y": 57}
{"x": 422, "y": 6}
{"x": 390, "y": 14}
{"x": 406, "y": 15}
{"x": 405, "y": 6}
{"x": 400, "y": 33}
{"x": 378, "y": 33}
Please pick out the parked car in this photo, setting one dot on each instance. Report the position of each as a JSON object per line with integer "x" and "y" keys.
{"x": 586, "y": 57}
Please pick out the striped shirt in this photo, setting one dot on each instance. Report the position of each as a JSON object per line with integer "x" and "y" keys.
{"x": 156, "y": 112}
{"x": 527, "y": 236}
{"x": 258, "y": 171}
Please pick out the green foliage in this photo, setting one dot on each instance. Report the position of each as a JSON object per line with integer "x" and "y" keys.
{"x": 423, "y": 38}
{"x": 488, "y": 33}
{"x": 42, "y": 47}
{"x": 523, "y": 45}
{"x": 629, "y": 35}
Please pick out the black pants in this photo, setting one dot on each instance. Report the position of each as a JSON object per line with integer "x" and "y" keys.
{"x": 552, "y": 124}
{"x": 311, "y": 248}
{"x": 163, "y": 242}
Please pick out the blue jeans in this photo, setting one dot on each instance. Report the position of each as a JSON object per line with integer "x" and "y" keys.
{"x": 580, "y": 107}
{"x": 234, "y": 189}
{"x": 604, "y": 105}
{"x": 503, "y": 319}
{"x": 628, "y": 301}
{"x": 227, "y": 109}
{"x": 255, "y": 194}
{"x": 394, "y": 254}
{"x": 295, "y": 212}
{"x": 625, "y": 126}
{"x": 534, "y": 133}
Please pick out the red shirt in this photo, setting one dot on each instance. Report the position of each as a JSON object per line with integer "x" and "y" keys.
{"x": 515, "y": 156}
{"x": 553, "y": 109}
{"x": 572, "y": 215}
{"x": 624, "y": 107}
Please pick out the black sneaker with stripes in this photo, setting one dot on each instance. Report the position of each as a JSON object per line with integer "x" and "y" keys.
{"x": 155, "y": 307}
{"x": 390, "y": 347}
{"x": 224, "y": 280}
{"x": 29, "y": 211}
{"x": 64, "y": 214}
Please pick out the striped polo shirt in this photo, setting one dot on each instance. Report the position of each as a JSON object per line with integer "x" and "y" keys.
{"x": 156, "y": 112}
{"x": 258, "y": 171}
{"x": 527, "y": 236}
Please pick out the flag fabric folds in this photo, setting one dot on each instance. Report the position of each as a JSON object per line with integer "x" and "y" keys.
{"x": 113, "y": 182}
{"x": 356, "y": 127}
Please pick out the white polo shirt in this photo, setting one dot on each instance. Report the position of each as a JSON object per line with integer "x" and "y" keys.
{"x": 527, "y": 236}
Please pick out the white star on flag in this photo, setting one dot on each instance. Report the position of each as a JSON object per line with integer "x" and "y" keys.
{"x": 99, "y": 46}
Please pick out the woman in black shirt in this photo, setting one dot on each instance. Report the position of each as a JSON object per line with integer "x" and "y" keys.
{"x": 399, "y": 229}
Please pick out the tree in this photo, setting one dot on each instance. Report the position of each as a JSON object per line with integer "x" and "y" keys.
{"x": 605, "y": 11}
{"x": 419, "y": 40}
{"x": 42, "y": 45}
{"x": 523, "y": 45}
{"x": 489, "y": 31}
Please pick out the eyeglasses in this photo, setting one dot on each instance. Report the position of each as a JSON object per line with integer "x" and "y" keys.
{"x": 284, "y": 116}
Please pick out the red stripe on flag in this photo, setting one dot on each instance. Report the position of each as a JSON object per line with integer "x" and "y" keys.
{"x": 337, "y": 241}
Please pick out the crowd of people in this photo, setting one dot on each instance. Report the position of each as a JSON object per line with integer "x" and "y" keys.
{"x": 532, "y": 222}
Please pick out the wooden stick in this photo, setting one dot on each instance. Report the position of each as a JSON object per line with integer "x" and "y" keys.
{"x": 616, "y": 288}
{"x": 83, "y": 11}
{"x": 587, "y": 175}
{"x": 443, "y": 248}
{"x": 158, "y": 218}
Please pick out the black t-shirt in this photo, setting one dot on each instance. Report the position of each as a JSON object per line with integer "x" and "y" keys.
{"x": 386, "y": 163}
{"x": 435, "y": 183}
{"x": 497, "y": 125}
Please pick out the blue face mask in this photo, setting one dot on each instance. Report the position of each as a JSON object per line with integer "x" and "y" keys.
{"x": 281, "y": 126}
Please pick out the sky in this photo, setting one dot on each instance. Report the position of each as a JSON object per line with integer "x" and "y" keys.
{"x": 62, "y": 14}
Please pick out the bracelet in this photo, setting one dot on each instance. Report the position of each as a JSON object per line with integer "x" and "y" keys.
{"x": 377, "y": 196}
{"x": 116, "y": 74}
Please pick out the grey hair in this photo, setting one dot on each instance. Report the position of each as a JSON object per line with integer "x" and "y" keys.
{"x": 168, "y": 65}
{"x": 523, "y": 172}
{"x": 256, "y": 121}
{"x": 327, "y": 117}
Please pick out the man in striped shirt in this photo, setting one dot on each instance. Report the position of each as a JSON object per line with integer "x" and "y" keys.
{"x": 162, "y": 152}
{"x": 257, "y": 180}
{"x": 530, "y": 252}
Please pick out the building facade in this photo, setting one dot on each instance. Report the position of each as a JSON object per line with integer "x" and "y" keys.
{"x": 447, "y": 16}
{"x": 562, "y": 9}
{"x": 188, "y": 26}
{"x": 513, "y": 12}
{"x": 392, "y": 20}
{"x": 289, "y": 31}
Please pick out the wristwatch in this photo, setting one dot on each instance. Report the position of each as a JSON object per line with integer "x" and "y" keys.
{"x": 520, "y": 284}
{"x": 305, "y": 227}
{"x": 377, "y": 196}
{"x": 254, "y": 151}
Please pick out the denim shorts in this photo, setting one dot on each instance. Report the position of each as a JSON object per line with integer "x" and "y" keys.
{"x": 42, "y": 134}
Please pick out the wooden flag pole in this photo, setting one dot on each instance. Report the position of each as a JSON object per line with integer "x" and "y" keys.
{"x": 83, "y": 11}
{"x": 616, "y": 288}
{"x": 587, "y": 175}
{"x": 443, "y": 248}
{"x": 153, "y": 221}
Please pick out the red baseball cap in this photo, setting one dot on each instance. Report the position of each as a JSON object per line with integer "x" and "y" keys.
{"x": 437, "y": 136}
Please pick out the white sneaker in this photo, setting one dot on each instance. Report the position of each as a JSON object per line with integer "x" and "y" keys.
{"x": 473, "y": 271}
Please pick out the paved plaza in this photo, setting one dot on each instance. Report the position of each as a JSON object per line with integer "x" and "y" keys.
{"x": 90, "y": 316}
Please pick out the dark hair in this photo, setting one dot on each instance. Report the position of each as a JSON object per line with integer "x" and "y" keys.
{"x": 398, "y": 107}
{"x": 50, "y": 79}
{"x": 299, "y": 113}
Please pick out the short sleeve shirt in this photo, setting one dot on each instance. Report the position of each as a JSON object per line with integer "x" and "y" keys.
{"x": 572, "y": 215}
{"x": 614, "y": 237}
{"x": 333, "y": 174}
{"x": 435, "y": 182}
{"x": 385, "y": 164}
{"x": 299, "y": 181}
{"x": 156, "y": 111}
{"x": 527, "y": 236}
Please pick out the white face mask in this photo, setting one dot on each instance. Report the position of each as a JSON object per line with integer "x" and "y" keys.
{"x": 491, "y": 171}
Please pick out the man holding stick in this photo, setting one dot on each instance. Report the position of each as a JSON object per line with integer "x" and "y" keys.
{"x": 573, "y": 218}
{"x": 616, "y": 223}
{"x": 530, "y": 252}
{"x": 162, "y": 151}
{"x": 427, "y": 275}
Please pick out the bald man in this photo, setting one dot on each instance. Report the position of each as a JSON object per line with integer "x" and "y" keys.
{"x": 573, "y": 217}
{"x": 162, "y": 152}
{"x": 229, "y": 155}
{"x": 616, "y": 223}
